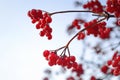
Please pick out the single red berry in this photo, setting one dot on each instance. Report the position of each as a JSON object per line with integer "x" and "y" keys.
{"x": 92, "y": 78}
{"x": 48, "y": 19}
{"x": 72, "y": 58}
{"x": 74, "y": 65}
{"x": 115, "y": 63}
{"x": 39, "y": 13}
{"x": 49, "y": 37}
{"x": 33, "y": 11}
{"x": 70, "y": 78}
{"x": 42, "y": 33}
{"x": 109, "y": 62}
{"x": 46, "y": 53}
{"x": 104, "y": 69}
{"x": 116, "y": 72}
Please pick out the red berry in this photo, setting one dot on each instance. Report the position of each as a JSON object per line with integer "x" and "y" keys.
{"x": 116, "y": 72}
{"x": 104, "y": 69}
{"x": 72, "y": 58}
{"x": 92, "y": 78}
{"x": 75, "y": 22}
{"x": 109, "y": 62}
{"x": 46, "y": 53}
{"x": 48, "y": 19}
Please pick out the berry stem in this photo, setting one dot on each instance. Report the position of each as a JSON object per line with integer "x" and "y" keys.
{"x": 69, "y": 11}
{"x": 59, "y": 48}
{"x": 73, "y": 11}
{"x": 68, "y": 51}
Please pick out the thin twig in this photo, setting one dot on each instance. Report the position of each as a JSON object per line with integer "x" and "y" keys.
{"x": 69, "y": 11}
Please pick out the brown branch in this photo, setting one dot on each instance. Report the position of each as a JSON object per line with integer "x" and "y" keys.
{"x": 69, "y": 11}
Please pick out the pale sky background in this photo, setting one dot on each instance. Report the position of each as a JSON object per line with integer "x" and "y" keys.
{"x": 20, "y": 45}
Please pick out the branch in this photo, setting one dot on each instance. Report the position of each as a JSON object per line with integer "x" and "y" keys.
{"x": 69, "y": 11}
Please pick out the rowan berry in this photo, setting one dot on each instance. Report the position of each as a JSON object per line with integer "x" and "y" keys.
{"x": 48, "y": 19}
{"x": 104, "y": 69}
{"x": 116, "y": 72}
{"x": 109, "y": 62}
{"x": 46, "y": 53}
{"x": 81, "y": 36}
{"x": 70, "y": 78}
{"x": 72, "y": 58}
{"x": 92, "y": 78}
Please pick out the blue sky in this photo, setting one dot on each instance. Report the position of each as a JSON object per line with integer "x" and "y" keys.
{"x": 20, "y": 45}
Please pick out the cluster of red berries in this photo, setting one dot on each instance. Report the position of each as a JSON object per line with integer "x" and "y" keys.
{"x": 64, "y": 61}
{"x": 75, "y": 23}
{"x": 113, "y": 65}
{"x": 98, "y": 29}
{"x": 113, "y": 6}
{"x": 43, "y": 20}
{"x": 94, "y": 6}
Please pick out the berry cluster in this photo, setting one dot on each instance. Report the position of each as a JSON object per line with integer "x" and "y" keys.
{"x": 113, "y": 6}
{"x": 75, "y": 23}
{"x": 94, "y": 5}
{"x": 115, "y": 63}
{"x": 43, "y": 20}
{"x": 98, "y": 29}
{"x": 78, "y": 69}
{"x": 64, "y": 61}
